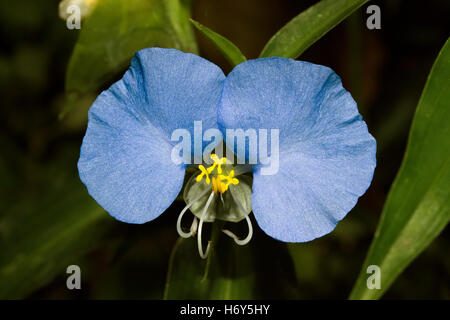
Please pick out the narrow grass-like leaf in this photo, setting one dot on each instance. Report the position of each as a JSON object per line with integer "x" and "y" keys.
{"x": 228, "y": 49}
{"x": 418, "y": 205}
{"x": 308, "y": 27}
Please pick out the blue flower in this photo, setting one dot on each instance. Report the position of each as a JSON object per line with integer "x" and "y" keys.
{"x": 326, "y": 154}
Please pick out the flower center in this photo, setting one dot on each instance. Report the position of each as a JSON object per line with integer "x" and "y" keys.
{"x": 220, "y": 182}
{"x": 207, "y": 205}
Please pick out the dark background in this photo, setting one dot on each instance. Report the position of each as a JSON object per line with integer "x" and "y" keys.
{"x": 385, "y": 70}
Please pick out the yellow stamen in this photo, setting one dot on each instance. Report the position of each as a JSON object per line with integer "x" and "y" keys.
{"x": 214, "y": 185}
{"x": 204, "y": 173}
{"x": 219, "y": 162}
{"x": 217, "y": 182}
{"x": 229, "y": 180}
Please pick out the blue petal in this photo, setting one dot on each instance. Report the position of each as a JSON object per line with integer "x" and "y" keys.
{"x": 125, "y": 159}
{"x": 327, "y": 156}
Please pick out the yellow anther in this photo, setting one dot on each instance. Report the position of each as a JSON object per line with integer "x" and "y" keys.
{"x": 217, "y": 182}
{"x": 217, "y": 162}
{"x": 229, "y": 180}
{"x": 204, "y": 172}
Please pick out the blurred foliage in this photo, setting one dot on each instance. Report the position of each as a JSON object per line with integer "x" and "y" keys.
{"x": 48, "y": 221}
{"x": 227, "y": 273}
{"x": 115, "y": 30}
{"x": 51, "y": 225}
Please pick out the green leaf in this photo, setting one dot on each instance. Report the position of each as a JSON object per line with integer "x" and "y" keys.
{"x": 51, "y": 225}
{"x": 116, "y": 29}
{"x": 308, "y": 27}
{"x": 418, "y": 205}
{"x": 228, "y": 49}
{"x": 226, "y": 273}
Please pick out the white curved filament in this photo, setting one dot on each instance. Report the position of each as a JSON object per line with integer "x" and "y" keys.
{"x": 193, "y": 228}
{"x": 249, "y": 223}
{"x": 204, "y": 255}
